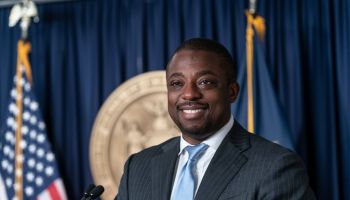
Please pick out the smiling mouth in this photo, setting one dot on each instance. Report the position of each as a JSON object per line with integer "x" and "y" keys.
{"x": 192, "y": 111}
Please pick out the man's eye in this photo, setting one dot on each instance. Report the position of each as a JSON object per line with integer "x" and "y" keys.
{"x": 205, "y": 82}
{"x": 176, "y": 84}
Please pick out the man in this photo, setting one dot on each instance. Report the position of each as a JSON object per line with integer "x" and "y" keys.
{"x": 228, "y": 162}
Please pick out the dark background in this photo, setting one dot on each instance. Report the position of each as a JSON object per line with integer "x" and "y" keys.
{"x": 82, "y": 51}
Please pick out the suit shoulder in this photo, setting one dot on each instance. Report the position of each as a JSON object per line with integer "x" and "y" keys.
{"x": 273, "y": 165}
{"x": 254, "y": 144}
{"x": 263, "y": 149}
{"x": 258, "y": 142}
{"x": 270, "y": 156}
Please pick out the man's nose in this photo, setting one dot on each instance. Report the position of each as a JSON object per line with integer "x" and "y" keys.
{"x": 191, "y": 92}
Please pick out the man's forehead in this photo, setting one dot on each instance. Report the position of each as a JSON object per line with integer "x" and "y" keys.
{"x": 185, "y": 57}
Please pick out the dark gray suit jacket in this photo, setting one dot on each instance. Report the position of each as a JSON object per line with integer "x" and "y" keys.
{"x": 245, "y": 166}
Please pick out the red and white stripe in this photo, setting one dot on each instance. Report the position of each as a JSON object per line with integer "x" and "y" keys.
{"x": 55, "y": 191}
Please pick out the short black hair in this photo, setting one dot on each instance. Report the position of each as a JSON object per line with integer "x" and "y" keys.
{"x": 205, "y": 44}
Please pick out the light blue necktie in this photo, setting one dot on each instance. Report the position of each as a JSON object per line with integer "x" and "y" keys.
{"x": 187, "y": 183}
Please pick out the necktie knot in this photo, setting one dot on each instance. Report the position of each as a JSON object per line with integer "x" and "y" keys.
{"x": 195, "y": 152}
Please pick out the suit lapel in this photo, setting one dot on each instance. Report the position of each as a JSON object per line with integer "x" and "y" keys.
{"x": 225, "y": 164}
{"x": 163, "y": 166}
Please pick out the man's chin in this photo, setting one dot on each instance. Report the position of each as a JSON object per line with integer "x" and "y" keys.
{"x": 192, "y": 128}
{"x": 198, "y": 133}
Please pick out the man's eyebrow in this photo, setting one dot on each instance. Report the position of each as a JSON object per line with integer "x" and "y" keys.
{"x": 176, "y": 74}
{"x": 206, "y": 72}
{"x": 200, "y": 73}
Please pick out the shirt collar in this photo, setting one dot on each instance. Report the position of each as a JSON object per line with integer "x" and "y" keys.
{"x": 213, "y": 141}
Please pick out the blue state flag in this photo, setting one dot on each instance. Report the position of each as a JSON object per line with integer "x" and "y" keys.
{"x": 269, "y": 120}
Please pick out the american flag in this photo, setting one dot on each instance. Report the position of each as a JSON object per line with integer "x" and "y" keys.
{"x": 39, "y": 174}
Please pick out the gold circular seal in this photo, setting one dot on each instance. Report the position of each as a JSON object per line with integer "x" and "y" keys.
{"x": 134, "y": 117}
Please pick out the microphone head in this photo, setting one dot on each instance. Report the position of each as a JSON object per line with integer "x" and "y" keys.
{"x": 89, "y": 189}
{"x": 97, "y": 191}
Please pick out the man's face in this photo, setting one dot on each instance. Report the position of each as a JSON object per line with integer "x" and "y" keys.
{"x": 199, "y": 94}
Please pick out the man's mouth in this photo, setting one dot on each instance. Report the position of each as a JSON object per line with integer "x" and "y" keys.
{"x": 191, "y": 107}
{"x": 190, "y": 111}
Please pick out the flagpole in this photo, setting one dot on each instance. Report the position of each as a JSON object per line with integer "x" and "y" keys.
{"x": 22, "y": 12}
{"x": 19, "y": 165}
{"x": 255, "y": 24}
{"x": 22, "y": 65}
{"x": 250, "y": 55}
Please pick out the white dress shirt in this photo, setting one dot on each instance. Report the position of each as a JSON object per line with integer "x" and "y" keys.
{"x": 213, "y": 142}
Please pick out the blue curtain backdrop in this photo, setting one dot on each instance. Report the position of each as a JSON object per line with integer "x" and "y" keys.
{"x": 82, "y": 50}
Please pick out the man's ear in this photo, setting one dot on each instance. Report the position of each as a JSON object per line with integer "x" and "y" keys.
{"x": 234, "y": 90}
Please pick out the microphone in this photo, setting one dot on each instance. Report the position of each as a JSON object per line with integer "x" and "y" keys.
{"x": 87, "y": 191}
{"x": 96, "y": 192}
